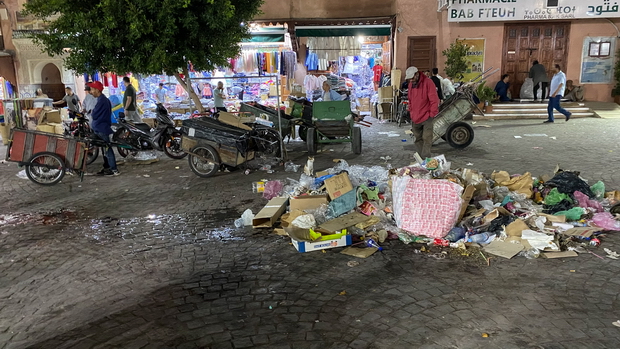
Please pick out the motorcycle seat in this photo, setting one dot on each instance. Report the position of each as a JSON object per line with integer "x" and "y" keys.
{"x": 143, "y": 127}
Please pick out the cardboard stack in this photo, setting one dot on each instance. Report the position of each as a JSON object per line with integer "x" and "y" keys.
{"x": 50, "y": 121}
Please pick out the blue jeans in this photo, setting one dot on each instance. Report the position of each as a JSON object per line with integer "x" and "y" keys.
{"x": 109, "y": 160}
{"x": 554, "y": 103}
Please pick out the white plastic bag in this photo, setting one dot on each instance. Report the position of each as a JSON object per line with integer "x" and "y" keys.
{"x": 245, "y": 220}
{"x": 527, "y": 89}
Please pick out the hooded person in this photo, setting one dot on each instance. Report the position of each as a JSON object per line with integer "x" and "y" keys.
{"x": 423, "y": 107}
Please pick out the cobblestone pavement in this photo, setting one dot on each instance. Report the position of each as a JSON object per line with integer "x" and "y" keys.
{"x": 152, "y": 262}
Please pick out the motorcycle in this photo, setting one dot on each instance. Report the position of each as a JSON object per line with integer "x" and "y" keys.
{"x": 132, "y": 138}
{"x": 402, "y": 114}
{"x": 80, "y": 128}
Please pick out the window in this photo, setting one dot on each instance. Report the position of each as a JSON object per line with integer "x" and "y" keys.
{"x": 599, "y": 49}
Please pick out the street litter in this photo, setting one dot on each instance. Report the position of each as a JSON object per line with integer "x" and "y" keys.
{"x": 436, "y": 208}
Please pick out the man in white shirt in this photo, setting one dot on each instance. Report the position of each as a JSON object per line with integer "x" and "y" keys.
{"x": 556, "y": 90}
{"x": 160, "y": 94}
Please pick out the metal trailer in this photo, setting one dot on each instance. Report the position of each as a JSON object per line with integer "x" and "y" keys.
{"x": 448, "y": 124}
{"x": 280, "y": 122}
{"x": 332, "y": 122}
{"x": 47, "y": 156}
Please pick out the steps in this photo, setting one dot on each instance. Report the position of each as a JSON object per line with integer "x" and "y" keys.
{"x": 527, "y": 109}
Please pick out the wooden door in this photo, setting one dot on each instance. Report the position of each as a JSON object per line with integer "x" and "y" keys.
{"x": 421, "y": 52}
{"x": 546, "y": 43}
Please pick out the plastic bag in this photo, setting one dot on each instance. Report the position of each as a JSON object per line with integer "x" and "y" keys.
{"x": 245, "y": 220}
{"x": 499, "y": 193}
{"x": 562, "y": 206}
{"x": 306, "y": 221}
{"x": 599, "y": 190}
{"x": 272, "y": 189}
{"x": 585, "y": 202}
{"x": 555, "y": 197}
{"x": 319, "y": 213}
{"x": 290, "y": 166}
{"x": 527, "y": 89}
{"x": 568, "y": 183}
{"x": 574, "y": 214}
{"x": 606, "y": 221}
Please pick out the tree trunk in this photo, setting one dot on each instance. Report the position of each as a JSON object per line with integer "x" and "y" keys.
{"x": 190, "y": 90}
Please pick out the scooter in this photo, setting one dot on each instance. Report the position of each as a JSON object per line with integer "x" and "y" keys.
{"x": 132, "y": 138}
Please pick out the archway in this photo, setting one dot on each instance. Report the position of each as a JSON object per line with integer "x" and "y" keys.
{"x": 51, "y": 82}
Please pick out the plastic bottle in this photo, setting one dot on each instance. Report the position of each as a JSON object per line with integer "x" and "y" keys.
{"x": 482, "y": 238}
{"x": 373, "y": 243}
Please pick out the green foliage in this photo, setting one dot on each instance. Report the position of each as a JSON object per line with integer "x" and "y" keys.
{"x": 145, "y": 36}
{"x": 485, "y": 93}
{"x": 456, "y": 60}
{"x": 616, "y": 90}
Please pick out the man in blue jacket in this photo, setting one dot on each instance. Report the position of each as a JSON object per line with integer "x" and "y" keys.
{"x": 102, "y": 122}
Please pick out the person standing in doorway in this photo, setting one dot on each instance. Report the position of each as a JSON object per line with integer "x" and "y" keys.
{"x": 538, "y": 74}
{"x": 218, "y": 97}
{"x": 89, "y": 104}
{"x": 423, "y": 107}
{"x": 69, "y": 98}
{"x": 160, "y": 94}
{"x": 129, "y": 102}
{"x": 558, "y": 84}
{"x": 102, "y": 122}
{"x": 437, "y": 81}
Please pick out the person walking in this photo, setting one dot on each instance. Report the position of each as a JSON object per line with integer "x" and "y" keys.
{"x": 89, "y": 104}
{"x": 558, "y": 83}
{"x": 218, "y": 97}
{"x": 423, "y": 107}
{"x": 437, "y": 81}
{"x": 129, "y": 102}
{"x": 102, "y": 122}
{"x": 69, "y": 98}
{"x": 538, "y": 74}
{"x": 160, "y": 94}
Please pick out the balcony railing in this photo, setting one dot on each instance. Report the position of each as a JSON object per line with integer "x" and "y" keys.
{"x": 25, "y": 34}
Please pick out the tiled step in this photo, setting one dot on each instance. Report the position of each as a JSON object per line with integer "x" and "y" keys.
{"x": 536, "y": 111}
{"x": 519, "y": 116}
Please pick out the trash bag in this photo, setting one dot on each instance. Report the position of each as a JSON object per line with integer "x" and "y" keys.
{"x": 498, "y": 223}
{"x": 568, "y": 183}
{"x": 527, "y": 89}
{"x": 563, "y": 205}
{"x": 606, "y": 221}
{"x": 272, "y": 189}
{"x": 599, "y": 190}
{"x": 555, "y": 197}
{"x": 574, "y": 214}
{"x": 584, "y": 202}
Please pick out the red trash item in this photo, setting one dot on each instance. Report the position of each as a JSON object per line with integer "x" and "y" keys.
{"x": 441, "y": 242}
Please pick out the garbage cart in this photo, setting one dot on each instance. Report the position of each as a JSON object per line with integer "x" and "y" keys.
{"x": 332, "y": 122}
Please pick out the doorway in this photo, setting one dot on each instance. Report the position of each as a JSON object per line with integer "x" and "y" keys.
{"x": 525, "y": 43}
{"x": 51, "y": 82}
{"x": 422, "y": 52}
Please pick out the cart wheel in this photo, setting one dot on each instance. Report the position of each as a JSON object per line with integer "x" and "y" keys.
{"x": 172, "y": 148}
{"x": 459, "y": 135}
{"x": 269, "y": 142}
{"x": 356, "y": 140}
{"x": 206, "y": 167}
{"x": 92, "y": 154}
{"x": 311, "y": 140}
{"x": 45, "y": 168}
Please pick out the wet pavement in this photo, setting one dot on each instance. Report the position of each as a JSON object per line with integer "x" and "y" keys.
{"x": 150, "y": 259}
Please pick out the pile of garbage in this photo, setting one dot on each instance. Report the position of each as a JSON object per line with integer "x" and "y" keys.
{"x": 429, "y": 203}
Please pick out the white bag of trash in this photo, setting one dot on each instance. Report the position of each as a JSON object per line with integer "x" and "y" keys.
{"x": 245, "y": 220}
{"x": 527, "y": 89}
{"x": 306, "y": 221}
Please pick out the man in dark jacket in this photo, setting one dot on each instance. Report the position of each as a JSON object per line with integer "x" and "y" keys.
{"x": 423, "y": 107}
{"x": 502, "y": 88}
{"x": 437, "y": 82}
{"x": 539, "y": 76}
{"x": 102, "y": 122}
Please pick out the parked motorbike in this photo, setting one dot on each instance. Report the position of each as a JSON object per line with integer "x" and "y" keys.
{"x": 132, "y": 138}
{"x": 402, "y": 114}
{"x": 80, "y": 128}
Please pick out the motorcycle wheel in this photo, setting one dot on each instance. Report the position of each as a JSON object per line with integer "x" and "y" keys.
{"x": 269, "y": 142}
{"x": 172, "y": 148}
{"x": 206, "y": 164}
{"x": 121, "y": 135}
{"x": 92, "y": 154}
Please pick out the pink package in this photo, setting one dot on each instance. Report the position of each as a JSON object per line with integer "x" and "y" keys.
{"x": 585, "y": 202}
{"x": 272, "y": 189}
{"x": 428, "y": 207}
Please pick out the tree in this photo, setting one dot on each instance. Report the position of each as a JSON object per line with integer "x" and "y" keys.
{"x": 145, "y": 36}
{"x": 456, "y": 60}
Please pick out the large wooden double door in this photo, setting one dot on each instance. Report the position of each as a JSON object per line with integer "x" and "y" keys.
{"x": 546, "y": 43}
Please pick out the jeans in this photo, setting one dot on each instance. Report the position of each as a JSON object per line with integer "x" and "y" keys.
{"x": 109, "y": 160}
{"x": 423, "y": 134}
{"x": 554, "y": 103}
{"x": 544, "y": 90}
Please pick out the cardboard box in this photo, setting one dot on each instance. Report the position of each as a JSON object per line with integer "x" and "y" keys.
{"x": 303, "y": 246}
{"x": 468, "y": 193}
{"x": 50, "y": 116}
{"x": 308, "y": 202}
{"x": 338, "y": 185}
{"x": 45, "y": 128}
{"x": 364, "y": 104}
{"x": 58, "y": 128}
{"x": 270, "y": 213}
{"x": 233, "y": 120}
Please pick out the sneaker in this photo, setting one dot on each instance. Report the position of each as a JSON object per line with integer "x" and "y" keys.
{"x": 568, "y": 116}
{"x": 112, "y": 173}
{"x": 104, "y": 172}
{"x": 548, "y": 122}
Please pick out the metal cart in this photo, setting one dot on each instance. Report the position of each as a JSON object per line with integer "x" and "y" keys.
{"x": 47, "y": 156}
{"x": 332, "y": 122}
{"x": 448, "y": 124}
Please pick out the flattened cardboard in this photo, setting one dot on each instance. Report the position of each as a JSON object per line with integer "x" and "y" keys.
{"x": 338, "y": 185}
{"x": 564, "y": 254}
{"x": 503, "y": 249}
{"x": 553, "y": 219}
{"x": 515, "y": 228}
{"x": 585, "y": 232}
{"x": 496, "y": 213}
{"x": 468, "y": 193}
{"x": 308, "y": 202}
{"x": 270, "y": 213}
{"x": 233, "y": 120}
{"x": 288, "y": 218}
{"x": 280, "y": 231}
{"x": 359, "y": 252}
{"x": 343, "y": 222}
{"x": 50, "y": 116}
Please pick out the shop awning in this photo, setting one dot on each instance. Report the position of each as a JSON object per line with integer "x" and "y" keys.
{"x": 266, "y": 35}
{"x": 343, "y": 30}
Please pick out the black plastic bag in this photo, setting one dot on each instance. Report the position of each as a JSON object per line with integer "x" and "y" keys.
{"x": 563, "y": 205}
{"x": 568, "y": 183}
